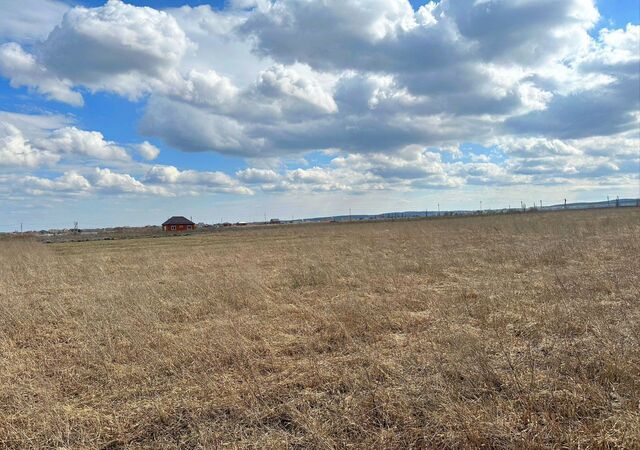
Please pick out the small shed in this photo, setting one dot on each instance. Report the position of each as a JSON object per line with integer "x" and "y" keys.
{"x": 178, "y": 223}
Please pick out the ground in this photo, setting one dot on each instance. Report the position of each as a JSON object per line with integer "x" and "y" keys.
{"x": 518, "y": 331}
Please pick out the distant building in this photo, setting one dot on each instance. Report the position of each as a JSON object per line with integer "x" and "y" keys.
{"x": 178, "y": 223}
{"x": 274, "y": 221}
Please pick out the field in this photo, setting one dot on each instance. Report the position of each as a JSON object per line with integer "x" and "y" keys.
{"x": 518, "y": 331}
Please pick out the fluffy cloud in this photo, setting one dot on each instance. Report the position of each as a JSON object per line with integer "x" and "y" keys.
{"x": 23, "y": 70}
{"x": 622, "y": 146}
{"x": 326, "y": 179}
{"x": 254, "y": 176}
{"x": 203, "y": 88}
{"x": 165, "y": 181}
{"x": 532, "y": 147}
{"x": 70, "y": 182}
{"x": 212, "y": 32}
{"x": 16, "y": 150}
{"x": 35, "y": 125}
{"x": 148, "y": 151}
{"x": 514, "y": 161}
{"x": 71, "y": 140}
{"x": 30, "y": 140}
{"x": 113, "y": 182}
{"x": 285, "y": 83}
{"x": 529, "y": 32}
{"x": 191, "y": 128}
{"x": 332, "y": 34}
{"x": 208, "y": 181}
{"x": 390, "y": 36}
{"x": 29, "y": 20}
{"x": 554, "y": 159}
{"x": 410, "y": 163}
{"x": 487, "y": 173}
{"x": 412, "y": 167}
{"x": 116, "y": 47}
{"x": 602, "y": 109}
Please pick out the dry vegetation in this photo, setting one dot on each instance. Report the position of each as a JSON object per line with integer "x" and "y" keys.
{"x": 505, "y": 332}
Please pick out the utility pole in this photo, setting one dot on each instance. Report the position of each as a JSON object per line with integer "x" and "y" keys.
{"x": 481, "y": 211}
{"x": 438, "y": 209}
{"x": 540, "y": 204}
{"x": 349, "y": 214}
{"x": 20, "y": 227}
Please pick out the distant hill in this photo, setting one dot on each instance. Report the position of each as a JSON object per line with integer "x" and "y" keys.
{"x": 621, "y": 203}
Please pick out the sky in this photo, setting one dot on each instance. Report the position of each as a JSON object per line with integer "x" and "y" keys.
{"x": 128, "y": 112}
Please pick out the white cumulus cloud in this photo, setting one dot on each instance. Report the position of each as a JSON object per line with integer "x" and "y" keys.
{"x": 24, "y": 70}
{"x": 71, "y": 140}
{"x": 112, "y": 182}
{"x": 148, "y": 151}
{"x": 16, "y": 150}
{"x": 69, "y": 182}
{"x": 207, "y": 181}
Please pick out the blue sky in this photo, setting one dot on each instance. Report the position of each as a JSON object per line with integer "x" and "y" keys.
{"x": 111, "y": 113}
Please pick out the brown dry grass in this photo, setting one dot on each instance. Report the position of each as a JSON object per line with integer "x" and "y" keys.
{"x": 504, "y": 332}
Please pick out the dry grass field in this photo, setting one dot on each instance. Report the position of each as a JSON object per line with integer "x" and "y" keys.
{"x": 518, "y": 331}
